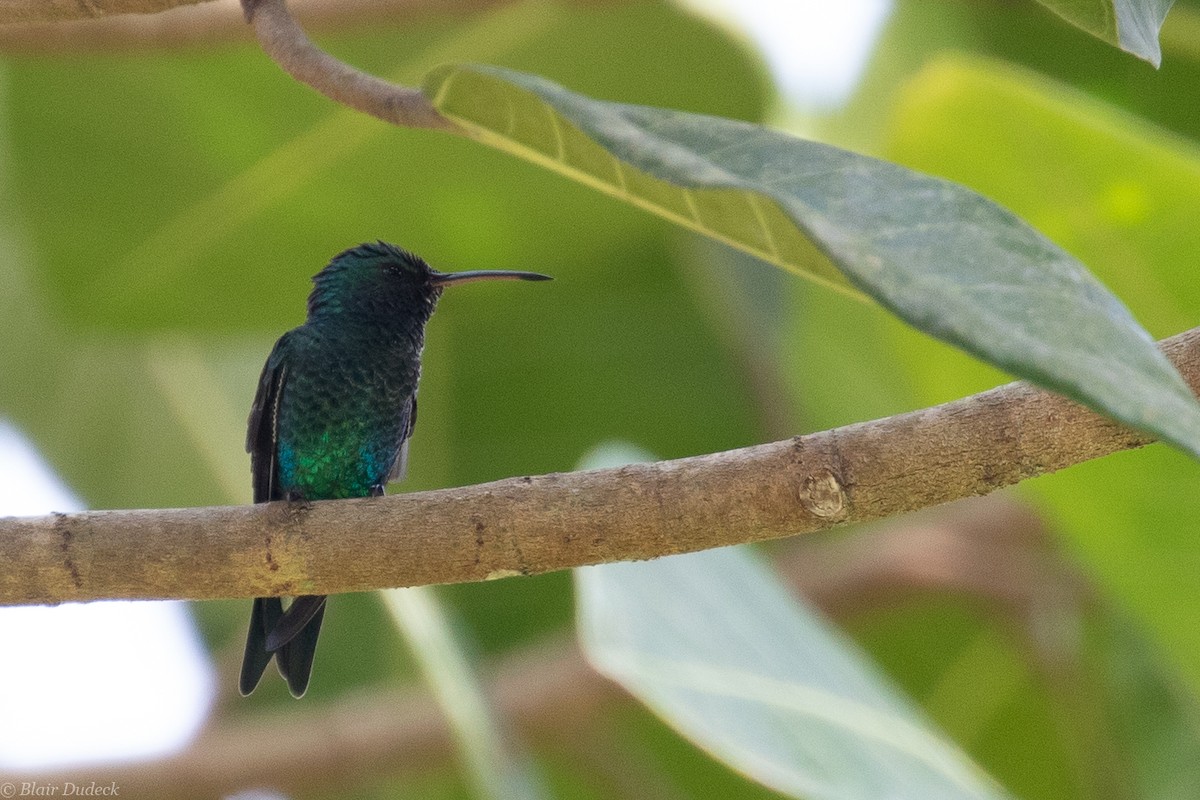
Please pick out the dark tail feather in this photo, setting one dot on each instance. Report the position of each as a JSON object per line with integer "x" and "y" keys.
{"x": 295, "y": 620}
{"x": 264, "y": 617}
{"x": 295, "y": 655}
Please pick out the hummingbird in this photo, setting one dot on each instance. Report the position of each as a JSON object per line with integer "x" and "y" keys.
{"x": 335, "y": 407}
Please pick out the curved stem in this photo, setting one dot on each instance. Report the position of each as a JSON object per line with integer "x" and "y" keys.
{"x": 284, "y": 40}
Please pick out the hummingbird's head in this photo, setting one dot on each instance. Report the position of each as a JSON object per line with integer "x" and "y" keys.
{"x": 382, "y": 282}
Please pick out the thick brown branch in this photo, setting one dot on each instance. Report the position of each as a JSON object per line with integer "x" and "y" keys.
{"x": 537, "y": 524}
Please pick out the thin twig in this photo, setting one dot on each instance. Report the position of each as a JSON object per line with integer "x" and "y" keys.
{"x": 285, "y": 41}
{"x": 528, "y": 525}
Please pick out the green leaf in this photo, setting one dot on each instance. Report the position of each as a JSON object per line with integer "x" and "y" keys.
{"x": 1131, "y": 25}
{"x": 717, "y": 647}
{"x": 943, "y": 258}
{"x": 497, "y": 767}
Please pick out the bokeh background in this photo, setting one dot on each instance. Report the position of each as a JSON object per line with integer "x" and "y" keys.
{"x": 163, "y": 205}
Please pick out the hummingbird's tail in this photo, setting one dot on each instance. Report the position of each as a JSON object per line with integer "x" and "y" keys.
{"x": 290, "y": 636}
{"x": 264, "y": 616}
{"x": 294, "y": 641}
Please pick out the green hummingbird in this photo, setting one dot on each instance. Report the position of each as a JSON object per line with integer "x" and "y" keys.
{"x": 335, "y": 407}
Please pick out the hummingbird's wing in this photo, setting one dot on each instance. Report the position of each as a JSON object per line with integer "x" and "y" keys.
{"x": 261, "y": 434}
{"x": 400, "y": 467}
{"x": 263, "y": 427}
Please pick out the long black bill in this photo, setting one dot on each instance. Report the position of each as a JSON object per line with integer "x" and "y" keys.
{"x": 447, "y": 278}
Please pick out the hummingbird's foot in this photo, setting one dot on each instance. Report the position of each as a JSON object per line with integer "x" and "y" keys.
{"x": 295, "y": 497}
{"x": 376, "y": 490}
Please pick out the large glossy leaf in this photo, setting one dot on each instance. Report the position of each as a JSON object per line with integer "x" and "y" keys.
{"x": 1123, "y": 194}
{"x": 713, "y": 643}
{"x": 1132, "y": 25}
{"x": 945, "y": 259}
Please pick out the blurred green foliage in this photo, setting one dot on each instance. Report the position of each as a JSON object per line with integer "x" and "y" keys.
{"x": 162, "y": 212}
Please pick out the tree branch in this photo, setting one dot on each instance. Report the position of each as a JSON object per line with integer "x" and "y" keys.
{"x": 529, "y": 525}
{"x": 285, "y": 41}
